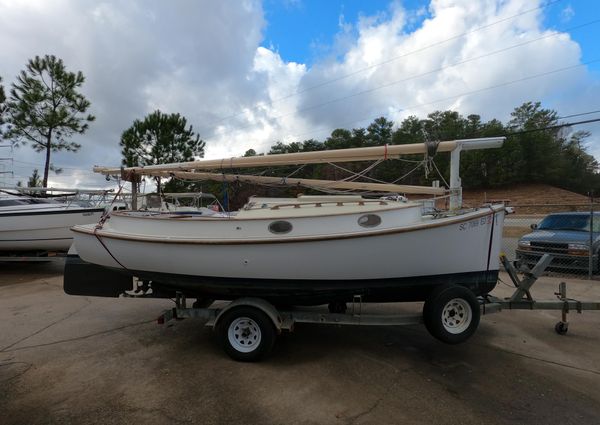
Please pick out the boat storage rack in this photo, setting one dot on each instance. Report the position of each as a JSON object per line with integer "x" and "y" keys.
{"x": 244, "y": 329}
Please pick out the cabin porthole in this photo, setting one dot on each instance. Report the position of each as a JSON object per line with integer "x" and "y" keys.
{"x": 369, "y": 220}
{"x": 280, "y": 227}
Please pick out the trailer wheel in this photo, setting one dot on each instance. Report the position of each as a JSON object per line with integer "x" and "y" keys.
{"x": 202, "y": 303}
{"x": 561, "y": 328}
{"x": 246, "y": 333}
{"x": 337, "y": 307}
{"x": 451, "y": 314}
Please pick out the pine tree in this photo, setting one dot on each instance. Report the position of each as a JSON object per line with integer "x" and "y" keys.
{"x": 158, "y": 139}
{"x": 45, "y": 108}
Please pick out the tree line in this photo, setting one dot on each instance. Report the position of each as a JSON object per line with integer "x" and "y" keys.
{"x": 44, "y": 108}
{"x": 537, "y": 149}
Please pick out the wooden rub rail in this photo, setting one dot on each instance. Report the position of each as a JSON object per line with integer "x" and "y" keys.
{"x": 321, "y": 203}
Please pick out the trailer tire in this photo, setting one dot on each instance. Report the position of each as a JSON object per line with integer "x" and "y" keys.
{"x": 561, "y": 328}
{"x": 451, "y": 313}
{"x": 202, "y": 303}
{"x": 246, "y": 333}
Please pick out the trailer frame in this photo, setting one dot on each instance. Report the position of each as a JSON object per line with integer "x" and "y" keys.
{"x": 521, "y": 299}
{"x": 27, "y": 257}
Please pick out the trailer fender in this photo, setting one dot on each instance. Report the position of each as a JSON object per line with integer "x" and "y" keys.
{"x": 263, "y": 305}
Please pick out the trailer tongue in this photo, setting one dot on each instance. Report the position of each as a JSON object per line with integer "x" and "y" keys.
{"x": 247, "y": 327}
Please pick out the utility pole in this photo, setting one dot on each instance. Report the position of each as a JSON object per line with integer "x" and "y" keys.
{"x": 591, "y": 249}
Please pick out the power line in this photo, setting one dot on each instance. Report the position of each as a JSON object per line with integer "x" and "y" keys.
{"x": 41, "y": 165}
{"x": 553, "y": 127}
{"x": 420, "y": 105}
{"x": 578, "y": 115}
{"x": 403, "y": 80}
{"x": 360, "y": 70}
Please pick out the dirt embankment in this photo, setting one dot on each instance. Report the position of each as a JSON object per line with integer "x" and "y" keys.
{"x": 531, "y": 203}
{"x": 538, "y": 196}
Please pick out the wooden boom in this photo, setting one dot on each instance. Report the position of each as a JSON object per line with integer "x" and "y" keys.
{"x": 291, "y": 181}
{"x": 188, "y": 170}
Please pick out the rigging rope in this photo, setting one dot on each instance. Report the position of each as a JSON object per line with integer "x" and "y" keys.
{"x": 100, "y": 224}
{"x": 440, "y": 174}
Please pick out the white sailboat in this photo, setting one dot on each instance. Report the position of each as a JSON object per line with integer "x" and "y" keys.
{"x": 38, "y": 224}
{"x": 305, "y": 250}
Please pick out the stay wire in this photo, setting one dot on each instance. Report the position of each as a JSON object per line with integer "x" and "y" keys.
{"x": 468, "y": 93}
{"x": 403, "y": 80}
{"x": 404, "y": 55}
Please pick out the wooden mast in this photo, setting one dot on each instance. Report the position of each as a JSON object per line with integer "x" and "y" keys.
{"x": 314, "y": 157}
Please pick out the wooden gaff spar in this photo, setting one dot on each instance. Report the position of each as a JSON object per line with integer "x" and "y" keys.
{"x": 375, "y": 153}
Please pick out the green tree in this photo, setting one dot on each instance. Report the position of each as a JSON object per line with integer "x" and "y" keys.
{"x": 279, "y": 148}
{"x": 34, "y": 180}
{"x": 580, "y": 169}
{"x": 532, "y": 152}
{"x": 312, "y": 145}
{"x": 541, "y": 148}
{"x": 160, "y": 139}
{"x": 410, "y": 131}
{"x": 340, "y": 139}
{"x": 45, "y": 108}
{"x": 379, "y": 132}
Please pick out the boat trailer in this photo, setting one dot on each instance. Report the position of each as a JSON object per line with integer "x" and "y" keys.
{"x": 521, "y": 299}
{"x": 247, "y": 327}
{"x": 32, "y": 257}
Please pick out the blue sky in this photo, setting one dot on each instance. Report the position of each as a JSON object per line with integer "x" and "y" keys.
{"x": 567, "y": 14}
{"x": 302, "y": 31}
{"x": 305, "y": 30}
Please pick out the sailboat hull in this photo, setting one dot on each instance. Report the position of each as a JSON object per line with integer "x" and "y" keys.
{"x": 43, "y": 230}
{"x": 398, "y": 264}
{"x": 82, "y": 278}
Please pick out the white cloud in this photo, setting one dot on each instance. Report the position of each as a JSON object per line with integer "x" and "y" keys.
{"x": 205, "y": 60}
{"x": 567, "y": 13}
{"x": 419, "y": 95}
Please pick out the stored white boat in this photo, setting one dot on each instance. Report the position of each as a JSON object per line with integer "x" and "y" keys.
{"x": 39, "y": 224}
{"x": 309, "y": 250}
{"x": 179, "y": 203}
{"x": 305, "y": 250}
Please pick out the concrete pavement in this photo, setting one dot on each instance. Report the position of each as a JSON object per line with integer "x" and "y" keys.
{"x": 84, "y": 360}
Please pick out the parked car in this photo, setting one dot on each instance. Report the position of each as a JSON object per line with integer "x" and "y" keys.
{"x": 567, "y": 237}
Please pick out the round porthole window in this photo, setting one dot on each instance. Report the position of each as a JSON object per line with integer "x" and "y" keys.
{"x": 369, "y": 220}
{"x": 280, "y": 227}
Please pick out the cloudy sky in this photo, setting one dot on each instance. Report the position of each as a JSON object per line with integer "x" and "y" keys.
{"x": 248, "y": 73}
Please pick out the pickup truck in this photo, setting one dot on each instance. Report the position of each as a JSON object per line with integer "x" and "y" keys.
{"x": 567, "y": 237}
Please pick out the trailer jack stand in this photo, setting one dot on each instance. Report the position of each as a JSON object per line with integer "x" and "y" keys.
{"x": 562, "y": 327}
{"x": 522, "y": 299}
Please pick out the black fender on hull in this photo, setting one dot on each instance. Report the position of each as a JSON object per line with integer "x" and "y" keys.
{"x": 82, "y": 278}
